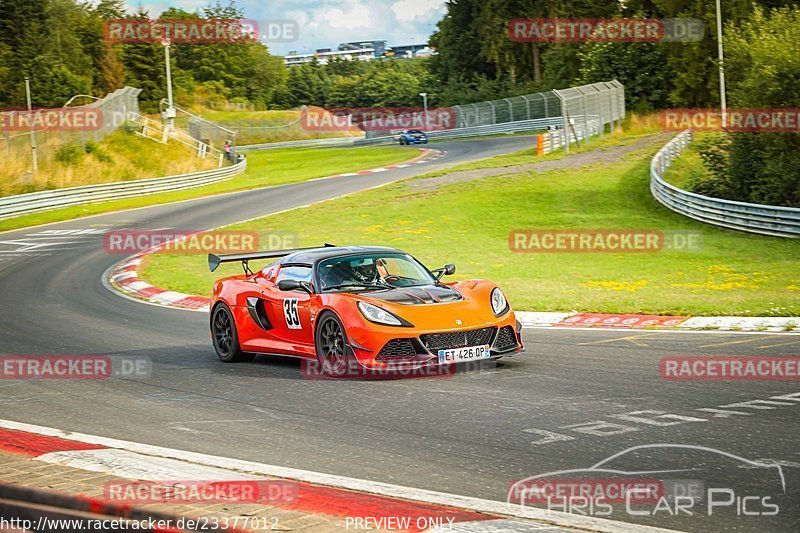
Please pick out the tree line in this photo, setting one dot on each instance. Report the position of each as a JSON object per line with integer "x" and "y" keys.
{"x": 60, "y": 45}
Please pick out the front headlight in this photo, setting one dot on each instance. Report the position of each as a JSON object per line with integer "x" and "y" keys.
{"x": 499, "y": 302}
{"x": 373, "y": 313}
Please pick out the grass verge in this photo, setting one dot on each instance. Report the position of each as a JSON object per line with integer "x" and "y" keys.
{"x": 121, "y": 156}
{"x": 273, "y": 167}
{"x": 256, "y": 127}
{"x": 468, "y": 223}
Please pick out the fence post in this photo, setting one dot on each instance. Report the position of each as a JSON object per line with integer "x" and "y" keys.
{"x": 527, "y": 106}
{"x": 564, "y": 115}
{"x": 586, "y": 133}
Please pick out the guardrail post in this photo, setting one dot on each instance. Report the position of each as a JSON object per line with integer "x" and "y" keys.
{"x": 527, "y": 106}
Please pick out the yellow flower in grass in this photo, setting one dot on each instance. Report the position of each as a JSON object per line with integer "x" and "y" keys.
{"x": 711, "y": 286}
{"x": 626, "y": 286}
{"x": 719, "y": 269}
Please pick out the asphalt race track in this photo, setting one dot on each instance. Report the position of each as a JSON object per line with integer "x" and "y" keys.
{"x": 566, "y": 403}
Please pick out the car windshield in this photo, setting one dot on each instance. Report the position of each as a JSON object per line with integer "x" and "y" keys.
{"x": 414, "y": 131}
{"x": 372, "y": 271}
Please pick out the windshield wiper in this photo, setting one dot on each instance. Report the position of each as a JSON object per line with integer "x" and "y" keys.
{"x": 362, "y": 285}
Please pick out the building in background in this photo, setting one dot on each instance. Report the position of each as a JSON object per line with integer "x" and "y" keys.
{"x": 410, "y": 51}
{"x": 359, "y": 51}
{"x": 378, "y": 46}
{"x": 323, "y": 55}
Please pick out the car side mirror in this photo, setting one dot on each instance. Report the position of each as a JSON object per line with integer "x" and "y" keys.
{"x": 448, "y": 270}
{"x": 288, "y": 285}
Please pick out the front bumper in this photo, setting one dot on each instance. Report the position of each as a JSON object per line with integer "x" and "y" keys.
{"x": 401, "y": 348}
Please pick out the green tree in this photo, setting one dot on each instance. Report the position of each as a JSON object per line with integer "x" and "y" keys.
{"x": 641, "y": 67}
{"x": 144, "y": 69}
{"x": 763, "y": 67}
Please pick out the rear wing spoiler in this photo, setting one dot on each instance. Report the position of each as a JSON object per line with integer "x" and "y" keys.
{"x": 215, "y": 260}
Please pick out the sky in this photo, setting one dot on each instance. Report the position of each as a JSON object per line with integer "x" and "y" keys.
{"x": 326, "y": 23}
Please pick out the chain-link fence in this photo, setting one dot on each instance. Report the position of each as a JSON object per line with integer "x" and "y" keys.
{"x": 570, "y": 115}
{"x": 112, "y": 112}
{"x": 601, "y": 103}
{"x": 266, "y": 127}
{"x": 514, "y": 109}
{"x": 586, "y": 110}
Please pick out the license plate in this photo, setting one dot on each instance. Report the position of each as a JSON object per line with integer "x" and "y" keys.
{"x": 459, "y": 355}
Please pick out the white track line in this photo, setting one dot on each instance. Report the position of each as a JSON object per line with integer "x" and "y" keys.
{"x": 374, "y": 487}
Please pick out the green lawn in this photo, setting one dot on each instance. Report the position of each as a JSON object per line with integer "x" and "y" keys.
{"x": 468, "y": 223}
{"x": 272, "y": 167}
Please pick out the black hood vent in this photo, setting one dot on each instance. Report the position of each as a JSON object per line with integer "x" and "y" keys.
{"x": 428, "y": 294}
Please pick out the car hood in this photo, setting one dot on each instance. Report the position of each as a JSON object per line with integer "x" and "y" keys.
{"x": 427, "y": 294}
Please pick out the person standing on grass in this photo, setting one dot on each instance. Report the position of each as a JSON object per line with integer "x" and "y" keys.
{"x": 228, "y": 154}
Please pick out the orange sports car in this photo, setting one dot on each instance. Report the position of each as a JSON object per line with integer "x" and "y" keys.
{"x": 364, "y": 307}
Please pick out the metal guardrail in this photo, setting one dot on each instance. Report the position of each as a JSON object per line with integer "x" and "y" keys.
{"x": 23, "y": 204}
{"x": 475, "y": 131}
{"x": 753, "y": 218}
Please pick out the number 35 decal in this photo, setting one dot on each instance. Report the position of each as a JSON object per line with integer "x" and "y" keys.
{"x": 291, "y": 314}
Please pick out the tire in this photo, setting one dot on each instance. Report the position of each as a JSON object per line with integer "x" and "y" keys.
{"x": 224, "y": 336}
{"x": 330, "y": 340}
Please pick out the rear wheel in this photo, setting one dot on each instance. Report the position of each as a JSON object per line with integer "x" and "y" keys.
{"x": 224, "y": 336}
{"x": 331, "y": 344}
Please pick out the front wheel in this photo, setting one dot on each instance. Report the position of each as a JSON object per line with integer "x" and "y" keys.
{"x": 224, "y": 336}
{"x": 331, "y": 344}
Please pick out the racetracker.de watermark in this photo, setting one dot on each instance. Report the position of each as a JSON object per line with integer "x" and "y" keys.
{"x": 380, "y": 119}
{"x": 730, "y": 368}
{"x": 236, "y": 491}
{"x": 188, "y": 31}
{"x": 539, "y": 491}
{"x": 60, "y": 119}
{"x": 786, "y": 120}
{"x": 634, "y": 30}
{"x": 194, "y": 242}
{"x": 73, "y": 367}
{"x": 278, "y": 31}
{"x": 352, "y": 369}
{"x": 603, "y": 241}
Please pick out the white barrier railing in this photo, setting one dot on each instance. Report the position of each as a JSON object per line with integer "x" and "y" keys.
{"x": 475, "y": 131}
{"x": 560, "y": 138}
{"x": 159, "y": 132}
{"x": 753, "y": 218}
{"x": 23, "y": 204}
